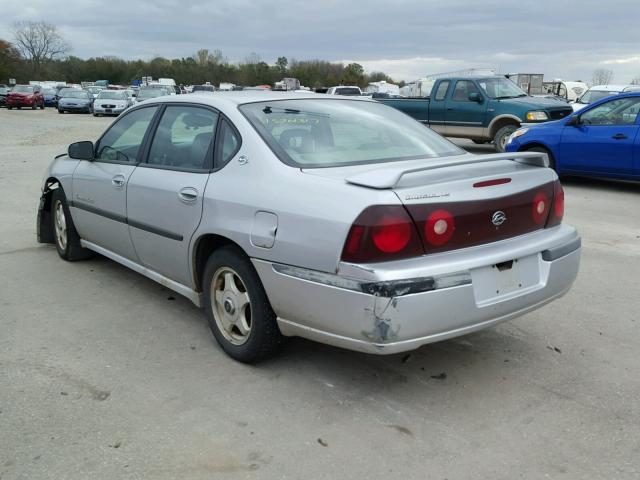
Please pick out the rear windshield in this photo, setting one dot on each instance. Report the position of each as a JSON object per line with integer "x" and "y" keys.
{"x": 595, "y": 95}
{"x": 203, "y": 88}
{"x": 313, "y": 133}
{"x": 347, "y": 91}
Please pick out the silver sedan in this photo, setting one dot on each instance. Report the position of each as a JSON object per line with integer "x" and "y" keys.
{"x": 339, "y": 220}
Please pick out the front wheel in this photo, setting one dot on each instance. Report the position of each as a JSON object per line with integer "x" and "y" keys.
{"x": 10, "y": 108}
{"x": 60, "y": 111}
{"x": 65, "y": 235}
{"x": 501, "y": 137}
{"x": 237, "y": 307}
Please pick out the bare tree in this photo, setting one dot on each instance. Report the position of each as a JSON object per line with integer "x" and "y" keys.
{"x": 204, "y": 56}
{"x": 39, "y": 42}
{"x": 602, "y": 76}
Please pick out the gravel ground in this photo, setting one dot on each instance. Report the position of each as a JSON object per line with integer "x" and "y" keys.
{"x": 105, "y": 374}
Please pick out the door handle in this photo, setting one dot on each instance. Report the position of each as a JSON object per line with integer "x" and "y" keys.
{"x": 619, "y": 136}
{"x": 188, "y": 195}
{"x": 118, "y": 181}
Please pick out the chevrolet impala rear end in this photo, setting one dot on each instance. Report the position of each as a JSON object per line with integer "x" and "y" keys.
{"x": 427, "y": 242}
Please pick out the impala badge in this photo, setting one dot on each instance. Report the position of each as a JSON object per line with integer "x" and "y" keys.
{"x": 498, "y": 218}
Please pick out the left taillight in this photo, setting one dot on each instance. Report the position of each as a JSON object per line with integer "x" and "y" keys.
{"x": 382, "y": 233}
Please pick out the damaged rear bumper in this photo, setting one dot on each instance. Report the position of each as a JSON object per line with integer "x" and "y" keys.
{"x": 396, "y": 308}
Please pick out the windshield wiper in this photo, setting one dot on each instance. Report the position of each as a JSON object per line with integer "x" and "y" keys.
{"x": 503, "y": 97}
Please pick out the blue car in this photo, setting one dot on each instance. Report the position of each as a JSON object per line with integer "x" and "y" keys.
{"x": 49, "y": 97}
{"x": 601, "y": 140}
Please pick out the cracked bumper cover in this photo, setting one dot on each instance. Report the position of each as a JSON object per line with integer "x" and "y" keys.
{"x": 398, "y": 307}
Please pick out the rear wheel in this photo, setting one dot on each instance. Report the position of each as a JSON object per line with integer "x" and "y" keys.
{"x": 10, "y": 108}
{"x": 502, "y": 135}
{"x": 65, "y": 235}
{"x": 237, "y": 307}
{"x": 552, "y": 160}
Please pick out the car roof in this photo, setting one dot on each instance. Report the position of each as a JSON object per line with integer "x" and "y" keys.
{"x": 234, "y": 98}
{"x": 611, "y": 88}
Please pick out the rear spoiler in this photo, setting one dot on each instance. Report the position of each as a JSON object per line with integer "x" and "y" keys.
{"x": 389, "y": 177}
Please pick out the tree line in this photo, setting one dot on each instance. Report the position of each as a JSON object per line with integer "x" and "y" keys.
{"x": 38, "y": 52}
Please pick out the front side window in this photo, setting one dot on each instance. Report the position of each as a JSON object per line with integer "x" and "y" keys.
{"x": 331, "y": 132}
{"x": 183, "y": 138}
{"x": 123, "y": 141}
{"x": 463, "y": 89}
{"x": 622, "y": 111}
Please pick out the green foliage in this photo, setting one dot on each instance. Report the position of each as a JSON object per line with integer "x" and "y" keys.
{"x": 203, "y": 66}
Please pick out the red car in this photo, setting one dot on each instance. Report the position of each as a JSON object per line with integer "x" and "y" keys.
{"x": 25, "y": 96}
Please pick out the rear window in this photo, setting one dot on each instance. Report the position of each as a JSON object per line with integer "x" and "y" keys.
{"x": 312, "y": 133}
{"x": 347, "y": 91}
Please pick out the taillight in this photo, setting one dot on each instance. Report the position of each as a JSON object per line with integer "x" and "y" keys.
{"x": 439, "y": 227}
{"x": 382, "y": 233}
{"x": 540, "y": 208}
{"x": 557, "y": 211}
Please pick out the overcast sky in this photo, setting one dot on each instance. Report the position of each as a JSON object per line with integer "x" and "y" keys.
{"x": 405, "y": 38}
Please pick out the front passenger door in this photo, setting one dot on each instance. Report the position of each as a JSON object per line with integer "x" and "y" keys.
{"x": 164, "y": 196}
{"x": 99, "y": 203}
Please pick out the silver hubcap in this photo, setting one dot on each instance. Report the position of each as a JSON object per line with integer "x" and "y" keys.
{"x": 231, "y": 305}
{"x": 60, "y": 222}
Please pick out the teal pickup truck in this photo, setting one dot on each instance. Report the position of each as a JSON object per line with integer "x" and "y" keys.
{"x": 483, "y": 109}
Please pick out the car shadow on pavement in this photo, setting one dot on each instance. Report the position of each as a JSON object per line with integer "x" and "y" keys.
{"x": 602, "y": 184}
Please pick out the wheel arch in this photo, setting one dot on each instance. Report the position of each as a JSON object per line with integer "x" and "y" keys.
{"x": 44, "y": 226}
{"x": 502, "y": 121}
{"x": 203, "y": 247}
{"x": 536, "y": 144}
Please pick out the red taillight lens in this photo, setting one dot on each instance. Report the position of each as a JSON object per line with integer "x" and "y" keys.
{"x": 540, "y": 208}
{"x": 382, "y": 233}
{"x": 557, "y": 212}
{"x": 439, "y": 227}
{"x": 391, "y": 234}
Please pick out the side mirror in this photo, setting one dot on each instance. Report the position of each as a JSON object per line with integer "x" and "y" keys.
{"x": 475, "y": 97}
{"x": 81, "y": 151}
{"x": 573, "y": 121}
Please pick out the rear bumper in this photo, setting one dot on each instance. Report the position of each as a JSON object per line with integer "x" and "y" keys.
{"x": 404, "y": 313}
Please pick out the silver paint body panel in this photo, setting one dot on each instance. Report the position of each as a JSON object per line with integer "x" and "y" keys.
{"x": 278, "y": 214}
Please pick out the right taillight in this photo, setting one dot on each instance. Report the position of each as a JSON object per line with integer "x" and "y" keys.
{"x": 557, "y": 209}
{"x": 382, "y": 233}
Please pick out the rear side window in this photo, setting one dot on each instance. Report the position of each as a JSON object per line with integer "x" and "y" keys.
{"x": 228, "y": 143}
{"x": 183, "y": 138}
{"x": 122, "y": 142}
{"x": 442, "y": 90}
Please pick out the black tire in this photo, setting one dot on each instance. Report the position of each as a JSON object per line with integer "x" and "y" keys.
{"x": 60, "y": 111}
{"x": 42, "y": 107}
{"x": 264, "y": 338}
{"x": 500, "y": 139}
{"x": 10, "y": 108}
{"x": 537, "y": 148}
{"x": 19, "y": 108}
{"x": 479, "y": 142}
{"x": 71, "y": 250}
{"x": 34, "y": 106}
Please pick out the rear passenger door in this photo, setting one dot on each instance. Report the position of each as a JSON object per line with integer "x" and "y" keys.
{"x": 164, "y": 197}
